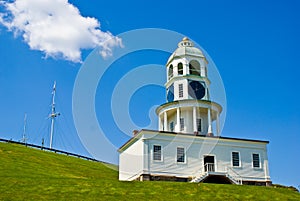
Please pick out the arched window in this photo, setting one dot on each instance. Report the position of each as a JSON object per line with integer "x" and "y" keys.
{"x": 194, "y": 67}
{"x": 180, "y": 69}
{"x": 170, "y": 72}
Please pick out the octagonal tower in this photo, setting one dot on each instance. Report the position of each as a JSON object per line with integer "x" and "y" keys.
{"x": 188, "y": 108}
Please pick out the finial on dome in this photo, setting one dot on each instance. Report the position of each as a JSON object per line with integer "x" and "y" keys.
{"x": 185, "y": 43}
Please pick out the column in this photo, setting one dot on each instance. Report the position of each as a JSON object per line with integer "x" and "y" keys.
{"x": 165, "y": 121}
{"x": 178, "y": 120}
{"x": 218, "y": 124}
{"x": 209, "y": 132}
{"x": 159, "y": 123}
{"x": 186, "y": 69}
{"x": 195, "y": 120}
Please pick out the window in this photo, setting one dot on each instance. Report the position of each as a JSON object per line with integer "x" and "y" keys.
{"x": 181, "y": 124}
{"x": 255, "y": 159}
{"x": 180, "y": 89}
{"x": 157, "y": 152}
{"x": 180, "y": 69}
{"x": 194, "y": 67}
{"x": 170, "y": 93}
{"x": 170, "y": 72}
{"x": 235, "y": 159}
{"x": 172, "y": 126}
{"x": 180, "y": 155}
{"x": 199, "y": 125}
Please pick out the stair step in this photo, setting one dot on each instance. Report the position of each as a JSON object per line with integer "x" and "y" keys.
{"x": 202, "y": 177}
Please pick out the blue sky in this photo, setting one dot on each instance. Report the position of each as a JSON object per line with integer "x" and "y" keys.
{"x": 254, "y": 45}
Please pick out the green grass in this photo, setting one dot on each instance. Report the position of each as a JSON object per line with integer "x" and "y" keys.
{"x": 30, "y": 174}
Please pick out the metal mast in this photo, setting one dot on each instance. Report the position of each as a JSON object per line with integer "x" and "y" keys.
{"x": 53, "y": 114}
{"x": 24, "y": 139}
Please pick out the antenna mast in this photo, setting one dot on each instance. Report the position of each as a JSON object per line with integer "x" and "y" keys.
{"x": 53, "y": 114}
{"x": 24, "y": 139}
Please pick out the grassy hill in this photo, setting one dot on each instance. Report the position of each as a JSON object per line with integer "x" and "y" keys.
{"x": 30, "y": 174}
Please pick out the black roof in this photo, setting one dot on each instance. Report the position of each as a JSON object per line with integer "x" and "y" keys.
{"x": 191, "y": 134}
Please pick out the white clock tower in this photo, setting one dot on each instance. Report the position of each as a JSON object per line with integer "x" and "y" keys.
{"x": 187, "y": 145}
{"x": 188, "y": 108}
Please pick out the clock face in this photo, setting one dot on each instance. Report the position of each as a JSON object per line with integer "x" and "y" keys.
{"x": 170, "y": 94}
{"x": 196, "y": 90}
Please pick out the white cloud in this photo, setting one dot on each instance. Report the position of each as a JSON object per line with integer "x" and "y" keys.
{"x": 56, "y": 28}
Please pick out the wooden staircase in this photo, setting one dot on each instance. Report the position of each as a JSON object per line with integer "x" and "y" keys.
{"x": 209, "y": 169}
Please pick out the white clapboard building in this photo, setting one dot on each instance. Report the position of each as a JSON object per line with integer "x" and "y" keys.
{"x": 184, "y": 148}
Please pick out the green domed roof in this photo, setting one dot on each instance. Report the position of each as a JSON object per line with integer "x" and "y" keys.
{"x": 185, "y": 48}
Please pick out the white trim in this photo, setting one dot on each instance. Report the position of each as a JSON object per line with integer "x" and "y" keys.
{"x": 259, "y": 158}
{"x": 185, "y": 158}
{"x": 180, "y": 91}
{"x": 160, "y": 126}
{"x": 203, "y": 104}
{"x": 215, "y": 160}
{"x": 177, "y": 128}
{"x": 165, "y": 127}
{"x": 240, "y": 160}
{"x": 218, "y": 124}
{"x": 161, "y": 154}
{"x": 178, "y": 69}
{"x": 195, "y": 119}
{"x": 172, "y": 74}
{"x": 210, "y": 129}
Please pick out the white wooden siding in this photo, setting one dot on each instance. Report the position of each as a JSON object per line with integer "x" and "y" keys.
{"x": 196, "y": 148}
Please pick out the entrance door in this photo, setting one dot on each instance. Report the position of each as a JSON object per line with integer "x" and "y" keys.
{"x": 209, "y": 163}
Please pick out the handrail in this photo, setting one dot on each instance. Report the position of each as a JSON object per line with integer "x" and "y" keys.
{"x": 209, "y": 167}
{"x": 236, "y": 176}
